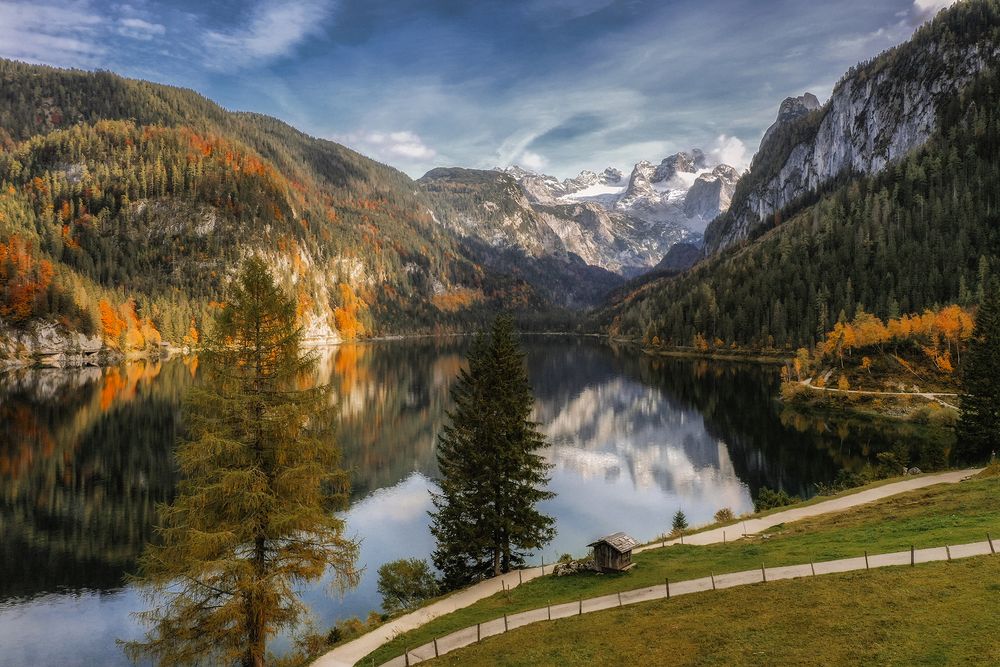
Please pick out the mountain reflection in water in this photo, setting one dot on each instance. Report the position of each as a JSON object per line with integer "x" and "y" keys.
{"x": 86, "y": 455}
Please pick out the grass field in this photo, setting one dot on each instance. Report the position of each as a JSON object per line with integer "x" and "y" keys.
{"x": 935, "y": 516}
{"x": 933, "y": 614}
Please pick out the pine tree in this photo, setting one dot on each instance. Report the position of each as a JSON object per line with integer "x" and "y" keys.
{"x": 680, "y": 523}
{"x": 255, "y": 510}
{"x": 485, "y": 518}
{"x": 979, "y": 425}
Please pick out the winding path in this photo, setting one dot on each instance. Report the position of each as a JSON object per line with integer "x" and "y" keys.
{"x": 931, "y": 396}
{"x": 472, "y": 634}
{"x": 351, "y": 652}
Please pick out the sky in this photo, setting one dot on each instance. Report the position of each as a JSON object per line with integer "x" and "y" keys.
{"x": 555, "y": 86}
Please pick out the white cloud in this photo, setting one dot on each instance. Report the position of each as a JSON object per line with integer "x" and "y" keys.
{"x": 137, "y": 28}
{"x": 274, "y": 29}
{"x": 532, "y": 161}
{"x": 58, "y": 34}
{"x": 731, "y": 151}
{"x": 926, "y": 8}
{"x": 389, "y": 146}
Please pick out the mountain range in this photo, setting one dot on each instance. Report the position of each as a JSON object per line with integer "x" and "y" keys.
{"x": 125, "y": 206}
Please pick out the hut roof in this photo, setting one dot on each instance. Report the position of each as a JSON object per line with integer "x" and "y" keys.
{"x": 620, "y": 542}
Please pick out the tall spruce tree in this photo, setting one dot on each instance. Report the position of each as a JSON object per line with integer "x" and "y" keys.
{"x": 485, "y": 518}
{"x": 255, "y": 510}
{"x": 979, "y": 425}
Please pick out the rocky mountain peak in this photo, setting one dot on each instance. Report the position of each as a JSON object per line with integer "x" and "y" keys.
{"x": 611, "y": 176}
{"x": 792, "y": 108}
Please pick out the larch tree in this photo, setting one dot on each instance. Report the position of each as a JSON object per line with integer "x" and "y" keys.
{"x": 978, "y": 427}
{"x": 485, "y": 517}
{"x": 255, "y": 513}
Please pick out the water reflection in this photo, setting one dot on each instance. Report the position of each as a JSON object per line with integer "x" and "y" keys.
{"x": 85, "y": 455}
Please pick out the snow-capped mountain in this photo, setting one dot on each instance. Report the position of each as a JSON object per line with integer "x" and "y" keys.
{"x": 683, "y": 191}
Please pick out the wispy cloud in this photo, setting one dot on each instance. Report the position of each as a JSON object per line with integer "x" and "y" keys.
{"x": 865, "y": 44}
{"x": 274, "y": 29}
{"x": 137, "y": 28}
{"x": 58, "y": 34}
{"x": 389, "y": 146}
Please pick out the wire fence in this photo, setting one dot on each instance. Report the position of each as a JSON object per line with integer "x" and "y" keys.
{"x": 476, "y": 633}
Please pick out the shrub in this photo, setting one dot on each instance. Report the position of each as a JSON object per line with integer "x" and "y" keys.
{"x": 405, "y": 583}
{"x": 845, "y": 480}
{"x": 769, "y": 499}
{"x": 724, "y": 515}
{"x": 891, "y": 464}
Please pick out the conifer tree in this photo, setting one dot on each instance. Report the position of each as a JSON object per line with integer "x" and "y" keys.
{"x": 979, "y": 425}
{"x": 679, "y": 523}
{"x": 255, "y": 510}
{"x": 485, "y": 518}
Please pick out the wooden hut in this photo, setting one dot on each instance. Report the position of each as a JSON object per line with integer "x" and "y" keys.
{"x": 614, "y": 552}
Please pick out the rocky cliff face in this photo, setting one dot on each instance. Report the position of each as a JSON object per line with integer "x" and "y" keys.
{"x": 876, "y": 115}
{"x": 48, "y": 345}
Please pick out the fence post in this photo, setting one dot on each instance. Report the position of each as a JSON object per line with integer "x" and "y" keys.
{"x": 666, "y": 583}
{"x": 866, "y": 561}
{"x": 543, "y": 565}
{"x": 435, "y": 648}
{"x": 549, "y": 609}
{"x": 712, "y": 574}
{"x": 763, "y": 573}
{"x": 723, "y": 537}
{"x": 505, "y": 622}
{"x": 619, "y": 598}
{"x": 947, "y": 550}
{"x": 479, "y": 632}
{"x": 913, "y": 555}
{"x": 990, "y": 540}
{"x": 581, "y": 606}
{"x": 519, "y": 580}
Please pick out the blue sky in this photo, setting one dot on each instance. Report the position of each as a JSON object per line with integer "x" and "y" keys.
{"x": 555, "y": 85}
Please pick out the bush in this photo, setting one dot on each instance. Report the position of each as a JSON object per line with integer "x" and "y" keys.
{"x": 405, "y": 583}
{"x": 769, "y": 499}
{"x": 724, "y": 515}
{"x": 845, "y": 480}
{"x": 891, "y": 464}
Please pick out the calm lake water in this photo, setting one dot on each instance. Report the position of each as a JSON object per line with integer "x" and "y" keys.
{"x": 86, "y": 455}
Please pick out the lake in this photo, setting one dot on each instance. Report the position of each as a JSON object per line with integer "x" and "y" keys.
{"x": 86, "y": 455}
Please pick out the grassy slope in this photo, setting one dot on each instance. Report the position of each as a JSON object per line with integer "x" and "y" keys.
{"x": 934, "y": 614}
{"x": 935, "y": 516}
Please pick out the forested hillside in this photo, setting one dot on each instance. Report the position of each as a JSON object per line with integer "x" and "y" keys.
{"x": 923, "y": 233}
{"x": 125, "y": 205}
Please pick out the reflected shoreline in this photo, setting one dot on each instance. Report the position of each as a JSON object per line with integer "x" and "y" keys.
{"x": 86, "y": 454}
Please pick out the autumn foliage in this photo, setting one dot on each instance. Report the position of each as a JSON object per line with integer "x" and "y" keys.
{"x": 940, "y": 334}
{"x": 346, "y": 316}
{"x": 24, "y": 280}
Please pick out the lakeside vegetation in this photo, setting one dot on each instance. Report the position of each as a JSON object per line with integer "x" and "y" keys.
{"x": 934, "y": 516}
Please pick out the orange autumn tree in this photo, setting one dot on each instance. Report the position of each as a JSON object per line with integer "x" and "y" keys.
{"x": 23, "y": 280}
{"x": 346, "y": 316}
{"x": 940, "y": 335}
{"x": 111, "y": 324}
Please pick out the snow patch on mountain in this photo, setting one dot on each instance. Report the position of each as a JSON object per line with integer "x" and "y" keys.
{"x": 660, "y": 194}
